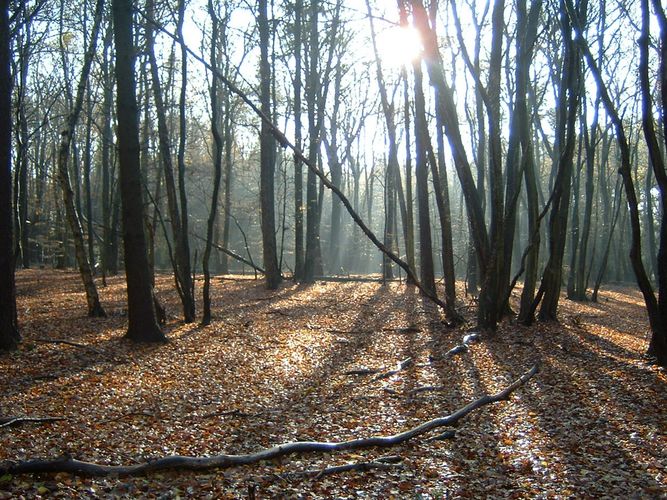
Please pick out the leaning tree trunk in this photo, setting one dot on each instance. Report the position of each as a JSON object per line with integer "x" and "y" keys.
{"x": 142, "y": 321}
{"x": 94, "y": 307}
{"x": 9, "y": 331}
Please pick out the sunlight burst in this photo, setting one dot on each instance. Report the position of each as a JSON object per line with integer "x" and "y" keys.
{"x": 399, "y": 45}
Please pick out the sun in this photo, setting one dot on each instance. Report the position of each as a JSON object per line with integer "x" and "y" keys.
{"x": 400, "y": 45}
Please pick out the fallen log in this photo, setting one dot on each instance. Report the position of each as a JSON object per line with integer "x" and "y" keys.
{"x": 74, "y": 466}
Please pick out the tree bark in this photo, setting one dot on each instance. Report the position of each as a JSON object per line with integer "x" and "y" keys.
{"x": 66, "y": 137}
{"x": 267, "y": 156}
{"x": 9, "y": 330}
{"x": 217, "y": 161}
{"x": 142, "y": 321}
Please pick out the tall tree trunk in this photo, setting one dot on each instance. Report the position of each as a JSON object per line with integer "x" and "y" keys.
{"x": 9, "y": 330}
{"x": 267, "y": 156}
{"x": 108, "y": 256}
{"x": 313, "y": 258}
{"x": 182, "y": 274}
{"x": 408, "y": 216}
{"x": 188, "y": 292}
{"x": 519, "y": 138}
{"x": 392, "y": 158}
{"x": 22, "y": 225}
{"x": 590, "y": 141}
{"x": 658, "y": 344}
{"x": 142, "y": 321}
{"x": 421, "y": 171}
{"x": 298, "y": 167}
{"x": 66, "y": 138}
{"x": 568, "y": 103}
{"x": 217, "y": 160}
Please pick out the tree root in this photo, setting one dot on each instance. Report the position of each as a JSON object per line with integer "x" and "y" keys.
{"x": 74, "y": 466}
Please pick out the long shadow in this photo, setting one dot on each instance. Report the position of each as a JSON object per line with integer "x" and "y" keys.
{"x": 578, "y": 420}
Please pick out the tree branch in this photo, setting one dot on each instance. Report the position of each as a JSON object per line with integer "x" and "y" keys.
{"x": 72, "y": 465}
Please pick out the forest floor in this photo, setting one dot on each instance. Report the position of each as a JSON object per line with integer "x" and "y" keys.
{"x": 295, "y": 364}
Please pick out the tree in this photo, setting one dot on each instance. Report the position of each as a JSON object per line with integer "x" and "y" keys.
{"x": 9, "y": 331}
{"x": 66, "y": 137}
{"x": 569, "y": 92}
{"x": 217, "y": 160}
{"x": 657, "y": 312}
{"x": 177, "y": 212}
{"x": 267, "y": 156}
{"x": 142, "y": 321}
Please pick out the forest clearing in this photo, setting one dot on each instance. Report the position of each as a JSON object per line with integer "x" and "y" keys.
{"x": 329, "y": 362}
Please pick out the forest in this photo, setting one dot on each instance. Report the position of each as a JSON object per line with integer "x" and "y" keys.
{"x": 333, "y": 248}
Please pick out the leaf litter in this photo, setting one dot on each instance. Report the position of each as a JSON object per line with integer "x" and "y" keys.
{"x": 287, "y": 365}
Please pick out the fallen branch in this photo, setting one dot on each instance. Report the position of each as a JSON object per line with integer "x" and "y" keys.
{"x": 382, "y": 463}
{"x": 233, "y": 255}
{"x": 11, "y": 421}
{"x": 74, "y": 466}
{"x": 406, "y": 363}
{"x": 463, "y": 347}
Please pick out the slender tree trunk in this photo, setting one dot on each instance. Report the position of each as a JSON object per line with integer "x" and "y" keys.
{"x": 66, "y": 137}
{"x": 568, "y": 104}
{"x": 108, "y": 229}
{"x": 142, "y": 321}
{"x": 188, "y": 298}
{"x": 298, "y": 167}
{"x": 267, "y": 156}
{"x": 392, "y": 159}
{"x": 217, "y": 160}
{"x": 182, "y": 273}
{"x": 313, "y": 261}
{"x": 590, "y": 141}
{"x": 658, "y": 344}
{"x": 9, "y": 330}
{"x": 421, "y": 171}
{"x": 22, "y": 226}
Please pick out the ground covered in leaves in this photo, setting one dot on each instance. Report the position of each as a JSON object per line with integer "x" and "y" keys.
{"x": 307, "y": 363}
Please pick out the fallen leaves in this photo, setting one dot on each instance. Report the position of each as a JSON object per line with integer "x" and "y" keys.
{"x": 272, "y": 368}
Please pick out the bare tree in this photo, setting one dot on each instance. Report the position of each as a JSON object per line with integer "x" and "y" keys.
{"x": 142, "y": 321}
{"x": 9, "y": 331}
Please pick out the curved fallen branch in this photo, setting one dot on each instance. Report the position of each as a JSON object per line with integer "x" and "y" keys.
{"x": 71, "y": 465}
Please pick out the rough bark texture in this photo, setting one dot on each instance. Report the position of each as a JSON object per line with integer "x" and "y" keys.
{"x": 9, "y": 332}
{"x": 142, "y": 321}
{"x": 267, "y": 157}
